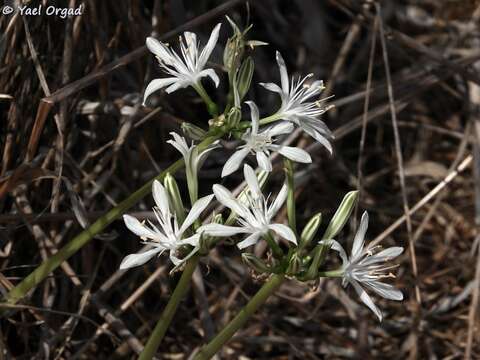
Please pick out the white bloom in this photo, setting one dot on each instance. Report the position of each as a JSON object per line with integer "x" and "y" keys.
{"x": 261, "y": 143}
{"x": 254, "y": 217}
{"x": 193, "y": 160}
{"x": 365, "y": 267}
{"x": 296, "y": 106}
{"x": 170, "y": 236}
{"x": 186, "y": 70}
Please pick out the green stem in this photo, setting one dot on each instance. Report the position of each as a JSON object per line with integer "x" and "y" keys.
{"x": 269, "y": 119}
{"x": 49, "y": 265}
{"x": 211, "y": 106}
{"x": 209, "y": 350}
{"x": 292, "y": 219}
{"x": 167, "y": 315}
{"x": 331, "y": 273}
{"x": 276, "y": 250}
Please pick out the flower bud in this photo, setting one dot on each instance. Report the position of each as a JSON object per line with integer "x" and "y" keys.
{"x": 245, "y": 74}
{"x": 295, "y": 265}
{"x": 255, "y": 263}
{"x": 234, "y": 116}
{"x": 193, "y": 132}
{"x": 234, "y": 49}
{"x": 341, "y": 215}
{"x": 174, "y": 197}
{"x": 310, "y": 230}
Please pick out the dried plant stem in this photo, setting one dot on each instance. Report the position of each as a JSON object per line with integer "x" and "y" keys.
{"x": 167, "y": 315}
{"x": 49, "y": 265}
{"x": 209, "y": 350}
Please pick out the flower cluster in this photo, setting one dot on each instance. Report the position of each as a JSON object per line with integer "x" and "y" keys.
{"x": 253, "y": 215}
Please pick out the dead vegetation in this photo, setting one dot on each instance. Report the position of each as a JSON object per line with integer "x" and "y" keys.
{"x": 76, "y": 141}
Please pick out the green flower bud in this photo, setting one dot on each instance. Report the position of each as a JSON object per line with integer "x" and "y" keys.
{"x": 234, "y": 116}
{"x": 174, "y": 197}
{"x": 245, "y": 74}
{"x": 295, "y": 265}
{"x": 193, "y": 132}
{"x": 310, "y": 230}
{"x": 341, "y": 215}
{"x": 255, "y": 263}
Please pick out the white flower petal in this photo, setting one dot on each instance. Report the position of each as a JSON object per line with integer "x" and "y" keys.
{"x": 359, "y": 240}
{"x": 156, "y": 85}
{"x": 272, "y": 87}
{"x": 138, "y": 228}
{"x": 226, "y": 198}
{"x": 383, "y": 256}
{"x": 284, "y": 231}
{"x": 161, "y": 198}
{"x": 234, "y": 162}
{"x": 249, "y": 240}
{"x": 252, "y": 181}
{"x": 279, "y": 201}
{"x": 264, "y": 161}
{"x": 220, "y": 230}
{"x": 158, "y": 48}
{"x": 133, "y": 260}
{"x": 207, "y": 50}
{"x": 295, "y": 154}
{"x": 283, "y": 127}
{"x": 211, "y": 74}
{"x": 283, "y": 72}
{"x": 195, "y": 212}
{"x": 192, "y": 240}
{"x": 335, "y": 245}
{"x": 386, "y": 291}
{"x": 366, "y": 299}
{"x": 255, "y": 116}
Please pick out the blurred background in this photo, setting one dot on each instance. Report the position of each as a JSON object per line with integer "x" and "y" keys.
{"x": 75, "y": 141}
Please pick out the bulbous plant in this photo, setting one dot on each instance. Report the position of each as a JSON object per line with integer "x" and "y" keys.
{"x": 179, "y": 230}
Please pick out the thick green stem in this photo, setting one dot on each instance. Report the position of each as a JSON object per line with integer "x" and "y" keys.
{"x": 167, "y": 315}
{"x": 209, "y": 350}
{"x": 331, "y": 273}
{"x": 269, "y": 119}
{"x": 292, "y": 219}
{"x": 49, "y": 265}
{"x": 211, "y": 106}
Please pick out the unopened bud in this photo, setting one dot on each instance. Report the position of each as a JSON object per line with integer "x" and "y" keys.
{"x": 234, "y": 116}
{"x": 295, "y": 265}
{"x": 341, "y": 215}
{"x": 174, "y": 197}
{"x": 245, "y": 74}
{"x": 255, "y": 263}
{"x": 193, "y": 132}
{"x": 310, "y": 230}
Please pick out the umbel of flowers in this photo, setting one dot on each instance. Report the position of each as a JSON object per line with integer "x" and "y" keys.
{"x": 180, "y": 230}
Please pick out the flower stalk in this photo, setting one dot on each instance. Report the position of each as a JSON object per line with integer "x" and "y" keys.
{"x": 209, "y": 350}
{"x": 167, "y": 315}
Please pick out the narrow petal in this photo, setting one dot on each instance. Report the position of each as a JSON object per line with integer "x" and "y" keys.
{"x": 264, "y": 161}
{"x": 254, "y": 115}
{"x": 133, "y": 260}
{"x": 249, "y": 240}
{"x": 226, "y": 198}
{"x": 159, "y": 49}
{"x": 211, "y": 74}
{"x": 195, "y": 212}
{"x": 207, "y": 50}
{"x": 366, "y": 299}
{"x": 161, "y": 198}
{"x": 295, "y": 154}
{"x": 138, "y": 228}
{"x": 272, "y": 87}
{"x": 220, "y": 230}
{"x": 278, "y": 203}
{"x": 359, "y": 239}
{"x": 192, "y": 240}
{"x": 179, "y": 84}
{"x": 251, "y": 180}
{"x": 383, "y": 256}
{"x": 283, "y": 72}
{"x": 156, "y": 85}
{"x": 386, "y": 291}
{"x": 234, "y": 162}
{"x": 317, "y": 136}
{"x": 283, "y": 127}
{"x": 335, "y": 245}
{"x": 284, "y": 231}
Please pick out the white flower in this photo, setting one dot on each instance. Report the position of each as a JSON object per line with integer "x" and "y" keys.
{"x": 170, "y": 236}
{"x": 186, "y": 70}
{"x": 365, "y": 267}
{"x": 296, "y": 106}
{"x": 193, "y": 160}
{"x": 254, "y": 217}
{"x": 261, "y": 143}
